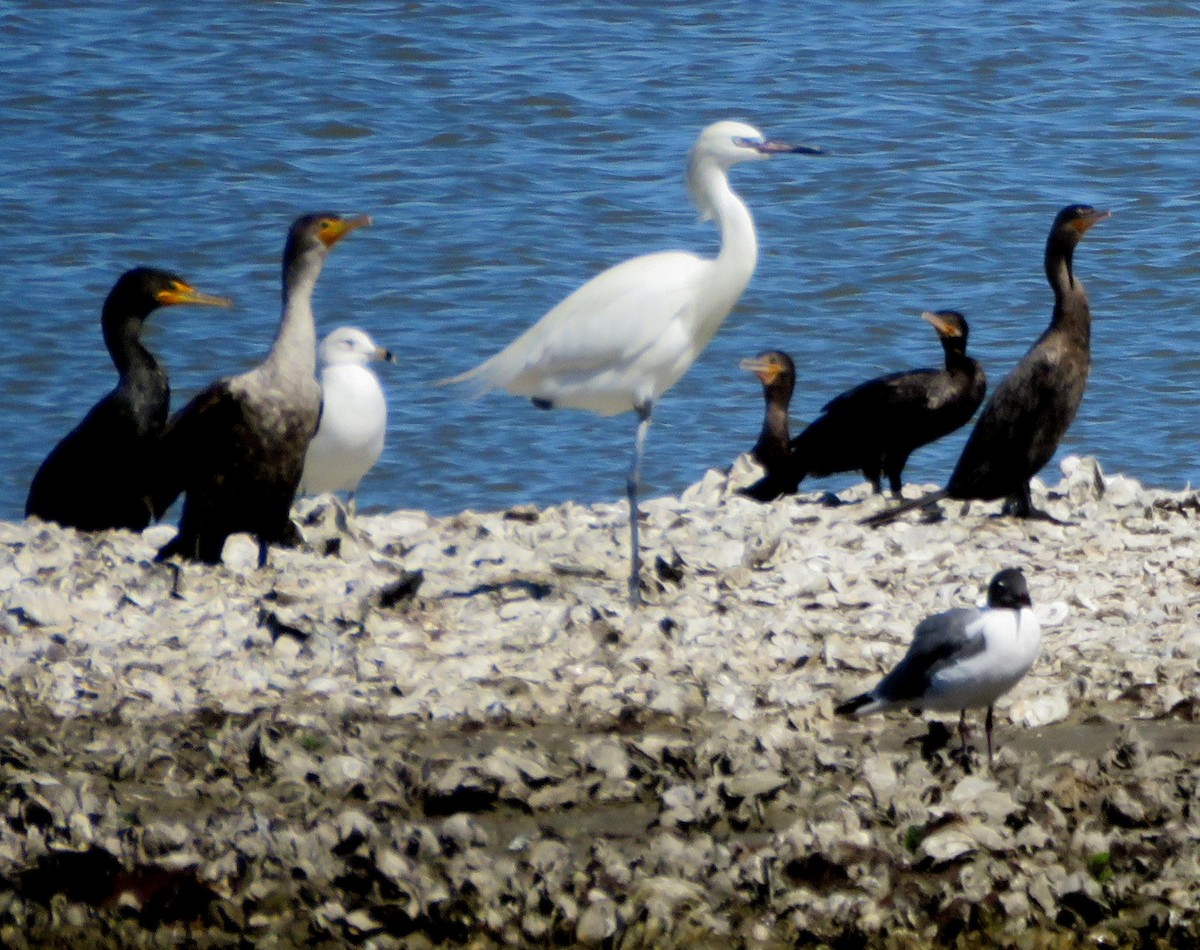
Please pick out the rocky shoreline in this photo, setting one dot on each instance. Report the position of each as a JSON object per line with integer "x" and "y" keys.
{"x": 424, "y": 732}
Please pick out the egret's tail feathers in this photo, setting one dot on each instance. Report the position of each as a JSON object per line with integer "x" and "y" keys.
{"x": 470, "y": 375}
{"x": 501, "y": 371}
{"x": 888, "y": 515}
{"x": 481, "y": 380}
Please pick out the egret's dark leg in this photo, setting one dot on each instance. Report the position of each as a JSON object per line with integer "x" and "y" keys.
{"x": 631, "y": 487}
{"x": 264, "y": 549}
{"x": 987, "y": 726}
{"x": 962, "y": 731}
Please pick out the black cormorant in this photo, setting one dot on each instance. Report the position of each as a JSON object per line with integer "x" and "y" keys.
{"x": 1030, "y": 411}
{"x": 99, "y": 476}
{"x": 777, "y": 373}
{"x": 877, "y": 425}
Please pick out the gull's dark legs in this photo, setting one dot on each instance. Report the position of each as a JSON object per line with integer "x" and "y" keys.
{"x": 987, "y": 725}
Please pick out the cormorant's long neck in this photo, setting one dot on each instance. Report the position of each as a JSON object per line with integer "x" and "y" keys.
{"x": 1071, "y": 312}
{"x": 295, "y": 343}
{"x": 956, "y": 355}
{"x": 773, "y": 440}
{"x": 734, "y": 265}
{"x": 122, "y": 336}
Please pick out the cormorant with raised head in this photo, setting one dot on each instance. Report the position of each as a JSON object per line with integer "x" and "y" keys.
{"x": 100, "y": 475}
{"x": 1020, "y": 427}
{"x": 777, "y": 373}
{"x": 877, "y": 425}
{"x": 236, "y": 450}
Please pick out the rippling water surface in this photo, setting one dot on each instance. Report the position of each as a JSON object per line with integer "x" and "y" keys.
{"x": 508, "y": 151}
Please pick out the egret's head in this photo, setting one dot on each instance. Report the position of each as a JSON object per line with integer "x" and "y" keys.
{"x": 721, "y": 146}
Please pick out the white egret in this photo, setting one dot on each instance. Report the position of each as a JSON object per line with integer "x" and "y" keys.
{"x": 627, "y": 336}
{"x": 349, "y": 439}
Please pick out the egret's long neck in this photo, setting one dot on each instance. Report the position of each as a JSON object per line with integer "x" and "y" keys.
{"x": 295, "y": 343}
{"x": 734, "y": 265}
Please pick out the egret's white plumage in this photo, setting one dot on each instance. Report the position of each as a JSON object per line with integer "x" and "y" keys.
{"x": 963, "y": 658}
{"x": 350, "y": 437}
{"x": 627, "y": 336}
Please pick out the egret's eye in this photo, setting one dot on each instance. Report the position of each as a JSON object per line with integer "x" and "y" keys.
{"x": 744, "y": 142}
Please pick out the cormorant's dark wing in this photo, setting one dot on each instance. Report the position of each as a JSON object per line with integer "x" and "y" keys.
{"x": 97, "y": 476}
{"x": 197, "y": 438}
{"x": 881, "y": 391}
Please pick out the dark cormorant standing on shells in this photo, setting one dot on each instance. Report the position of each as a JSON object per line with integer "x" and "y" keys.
{"x": 99, "y": 476}
{"x": 877, "y": 425}
{"x": 777, "y": 373}
{"x": 1030, "y": 411}
{"x": 236, "y": 450}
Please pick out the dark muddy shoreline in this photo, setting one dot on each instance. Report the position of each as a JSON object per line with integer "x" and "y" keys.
{"x": 280, "y": 829}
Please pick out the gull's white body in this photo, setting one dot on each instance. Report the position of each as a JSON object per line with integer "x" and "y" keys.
{"x": 962, "y": 658}
{"x": 996, "y": 648}
{"x": 349, "y": 440}
{"x": 630, "y": 333}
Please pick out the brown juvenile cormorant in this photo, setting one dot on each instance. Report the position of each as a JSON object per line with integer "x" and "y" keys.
{"x": 1020, "y": 427}
{"x": 237, "y": 449}
{"x": 877, "y": 425}
{"x": 99, "y": 476}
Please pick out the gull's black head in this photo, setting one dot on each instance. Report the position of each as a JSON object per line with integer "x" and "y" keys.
{"x": 1009, "y": 590}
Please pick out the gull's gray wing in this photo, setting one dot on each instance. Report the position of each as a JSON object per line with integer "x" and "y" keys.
{"x": 938, "y": 640}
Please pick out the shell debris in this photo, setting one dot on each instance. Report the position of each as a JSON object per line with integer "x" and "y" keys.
{"x": 508, "y": 754}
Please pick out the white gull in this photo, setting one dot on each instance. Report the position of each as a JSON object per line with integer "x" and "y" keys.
{"x": 965, "y": 657}
{"x": 350, "y": 437}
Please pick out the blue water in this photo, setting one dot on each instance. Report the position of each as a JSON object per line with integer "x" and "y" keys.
{"x": 509, "y": 150}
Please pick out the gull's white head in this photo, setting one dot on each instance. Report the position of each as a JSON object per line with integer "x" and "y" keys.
{"x": 351, "y": 345}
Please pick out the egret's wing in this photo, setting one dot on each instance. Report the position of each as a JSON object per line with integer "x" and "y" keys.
{"x": 938, "y": 641}
{"x": 608, "y": 321}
